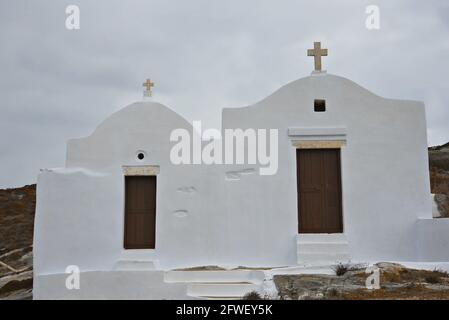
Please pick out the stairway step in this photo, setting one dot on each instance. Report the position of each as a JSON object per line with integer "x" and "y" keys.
{"x": 321, "y": 237}
{"x": 330, "y": 258}
{"x": 135, "y": 265}
{"x": 323, "y": 247}
{"x": 220, "y": 290}
{"x": 248, "y": 276}
{"x": 138, "y": 254}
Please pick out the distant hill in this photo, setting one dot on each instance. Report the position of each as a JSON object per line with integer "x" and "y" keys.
{"x": 441, "y": 147}
{"x": 439, "y": 176}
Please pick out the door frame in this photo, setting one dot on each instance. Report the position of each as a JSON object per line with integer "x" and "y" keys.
{"x": 314, "y": 144}
{"x": 145, "y": 170}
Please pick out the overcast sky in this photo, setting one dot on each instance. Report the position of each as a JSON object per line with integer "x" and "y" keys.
{"x": 57, "y": 84}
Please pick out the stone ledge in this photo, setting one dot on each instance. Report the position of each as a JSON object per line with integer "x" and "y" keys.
{"x": 319, "y": 144}
{"x": 141, "y": 170}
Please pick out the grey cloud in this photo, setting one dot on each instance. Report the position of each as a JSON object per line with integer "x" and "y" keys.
{"x": 57, "y": 84}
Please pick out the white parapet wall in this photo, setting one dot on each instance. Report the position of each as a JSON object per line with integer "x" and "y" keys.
{"x": 432, "y": 238}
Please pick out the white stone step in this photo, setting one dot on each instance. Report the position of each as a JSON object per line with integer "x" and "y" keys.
{"x": 135, "y": 265}
{"x": 322, "y": 258}
{"x": 321, "y": 237}
{"x": 323, "y": 247}
{"x": 220, "y": 290}
{"x": 215, "y": 276}
{"x": 137, "y": 254}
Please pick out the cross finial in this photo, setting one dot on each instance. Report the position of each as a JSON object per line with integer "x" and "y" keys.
{"x": 317, "y": 53}
{"x": 148, "y": 85}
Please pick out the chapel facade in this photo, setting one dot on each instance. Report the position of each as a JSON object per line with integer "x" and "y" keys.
{"x": 351, "y": 184}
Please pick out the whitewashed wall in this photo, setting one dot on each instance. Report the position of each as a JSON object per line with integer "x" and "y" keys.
{"x": 432, "y": 238}
{"x": 80, "y": 209}
{"x": 203, "y": 218}
{"x": 384, "y": 168}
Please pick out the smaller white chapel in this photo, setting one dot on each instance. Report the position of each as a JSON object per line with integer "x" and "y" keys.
{"x": 342, "y": 177}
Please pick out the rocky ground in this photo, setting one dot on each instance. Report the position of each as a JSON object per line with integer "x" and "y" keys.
{"x": 439, "y": 176}
{"x": 17, "y": 208}
{"x": 396, "y": 282}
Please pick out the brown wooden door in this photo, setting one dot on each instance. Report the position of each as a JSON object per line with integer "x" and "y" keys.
{"x": 319, "y": 191}
{"x": 140, "y": 212}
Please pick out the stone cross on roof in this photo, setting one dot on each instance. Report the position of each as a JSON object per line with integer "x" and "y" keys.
{"x": 148, "y": 85}
{"x": 317, "y": 53}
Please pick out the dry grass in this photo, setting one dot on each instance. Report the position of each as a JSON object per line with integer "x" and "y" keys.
{"x": 409, "y": 292}
{"x": 396, "y": 282}
{"x": 414, "y": 276}
{"x": 412, "y": 285}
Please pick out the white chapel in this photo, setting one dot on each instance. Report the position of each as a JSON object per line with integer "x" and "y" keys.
{"x": 350, "y": 184}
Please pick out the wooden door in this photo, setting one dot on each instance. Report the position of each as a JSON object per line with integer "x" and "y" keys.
{"x": 319, "y": 191}
{"x": 140, "y": 212}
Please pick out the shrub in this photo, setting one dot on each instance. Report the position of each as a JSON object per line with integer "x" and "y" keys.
{"x": 432, "y": 278}
{"x": 435, "y": 276}
{"x": 341, "y": 269}
{"x": 253, "y": 295}
{"x": 440, "y": 273}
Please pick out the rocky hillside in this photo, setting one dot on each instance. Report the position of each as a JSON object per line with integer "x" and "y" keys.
{"x": 16, "y": 218}
{"x": 439, "y": 176}
{"x": 17, "y": 208}
{"x": 349, "y": 283}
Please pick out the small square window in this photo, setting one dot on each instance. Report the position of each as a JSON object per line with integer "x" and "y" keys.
{"x": 319, "y": 105}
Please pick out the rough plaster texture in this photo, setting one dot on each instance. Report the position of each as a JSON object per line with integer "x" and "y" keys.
{"x": 231, "y": 215}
